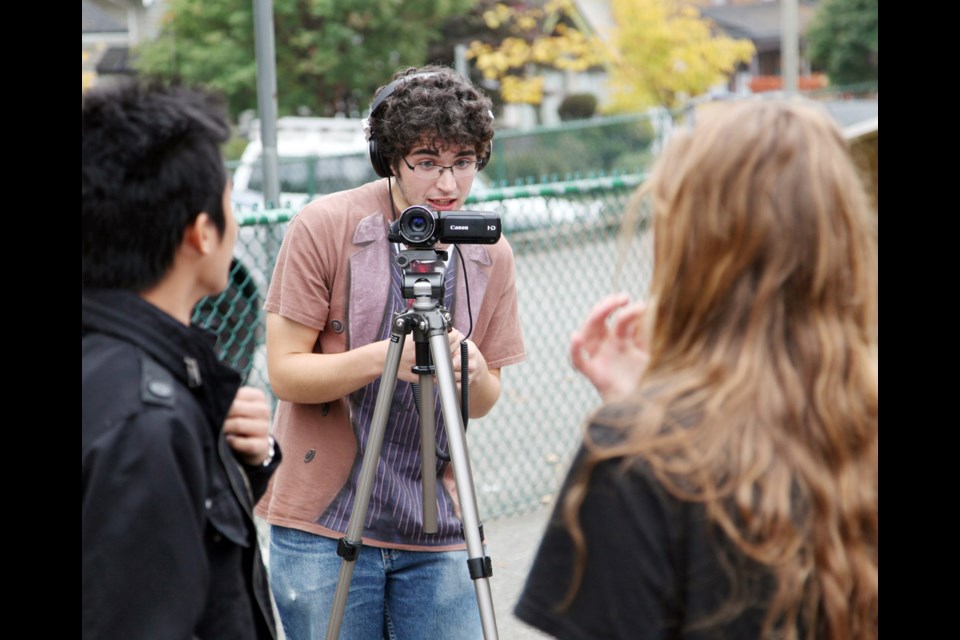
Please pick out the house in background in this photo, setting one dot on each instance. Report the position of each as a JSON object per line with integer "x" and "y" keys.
{"x": 761, "y": 22}
{"x": 593, "y": 18}
{"x": 756, "y": 20}
{"x": 109, "y": 29}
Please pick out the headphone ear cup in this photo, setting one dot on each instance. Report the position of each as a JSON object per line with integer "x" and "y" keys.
{"x": 485, "y": 159}
{"x": 380, "y": 166}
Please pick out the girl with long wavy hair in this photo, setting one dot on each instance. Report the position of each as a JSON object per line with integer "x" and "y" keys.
{"x": 728, "y": 486}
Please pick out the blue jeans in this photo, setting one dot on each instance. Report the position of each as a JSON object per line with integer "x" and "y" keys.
{"x": 400, "y": 595}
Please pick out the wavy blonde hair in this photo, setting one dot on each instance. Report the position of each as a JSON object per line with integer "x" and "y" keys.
{"x": 760, "y": 399}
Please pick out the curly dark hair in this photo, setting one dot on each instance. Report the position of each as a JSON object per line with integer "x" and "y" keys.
{"x": 437, "y": 103}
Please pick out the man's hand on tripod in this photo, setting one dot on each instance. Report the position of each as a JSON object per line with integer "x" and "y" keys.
{"x": 409, "y": 356}
{"x": 483, "y": 382}
{"x": 476, "y": 364}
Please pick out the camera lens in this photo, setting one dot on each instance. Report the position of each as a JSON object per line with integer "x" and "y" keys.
{"x": 417, "y": 225}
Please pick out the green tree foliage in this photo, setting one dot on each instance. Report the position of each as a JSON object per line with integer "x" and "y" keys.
{"x": 667, "y": 53}
{"x": 331, "y": 55}
{"x": 844, "y": 40}
{"x": 531, "y": 37}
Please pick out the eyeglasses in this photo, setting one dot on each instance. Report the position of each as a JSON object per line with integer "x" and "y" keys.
{"x": 429, "y": 169}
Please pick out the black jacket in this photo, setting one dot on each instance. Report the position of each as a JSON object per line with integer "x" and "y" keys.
{"x": 169, "y": 545}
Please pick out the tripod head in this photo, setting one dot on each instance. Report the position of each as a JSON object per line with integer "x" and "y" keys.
{"x": 423, "y": 264}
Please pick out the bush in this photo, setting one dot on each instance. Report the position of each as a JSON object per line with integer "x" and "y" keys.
{"x": 577, "y": 106}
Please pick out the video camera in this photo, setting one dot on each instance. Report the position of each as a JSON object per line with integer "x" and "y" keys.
{"x": 421, "y": 226}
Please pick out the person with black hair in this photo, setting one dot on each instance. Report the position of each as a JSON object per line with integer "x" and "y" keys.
{"x": 334, "y": 291}
{"x": 174, "y": 452}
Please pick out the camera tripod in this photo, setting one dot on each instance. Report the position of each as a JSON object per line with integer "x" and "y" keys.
{"x": 430, "y": 323}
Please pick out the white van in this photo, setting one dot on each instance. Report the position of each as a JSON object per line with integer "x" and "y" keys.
{"x": 314, "y": 156}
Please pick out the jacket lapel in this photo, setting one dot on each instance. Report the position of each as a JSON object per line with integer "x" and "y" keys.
{"x": 370, "y": 274}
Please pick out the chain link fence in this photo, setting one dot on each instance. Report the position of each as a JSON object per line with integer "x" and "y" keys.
{"x": 563, "y": 223}
{"x": 600, "y": 146}
{"x": 521, "y": 451}
{"x": 567, "y": 255}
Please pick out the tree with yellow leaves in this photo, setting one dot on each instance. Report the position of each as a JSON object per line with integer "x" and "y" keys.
{"x": 551, "y": 36}
{"x": 667, "y": 53}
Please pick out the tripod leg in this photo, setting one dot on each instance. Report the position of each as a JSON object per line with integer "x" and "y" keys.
{"x": 428, "y": 453}
{"x": 350, "y": 544}
{"x": 478, "y": 564}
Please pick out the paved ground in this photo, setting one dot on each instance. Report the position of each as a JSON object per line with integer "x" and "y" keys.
{"x": 511, "y": 544}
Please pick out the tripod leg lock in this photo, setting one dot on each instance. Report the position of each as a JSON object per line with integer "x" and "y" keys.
{"x": 348, "y": 550}
{"x": 480, "y": 567}
{"x": 479, "y": 528}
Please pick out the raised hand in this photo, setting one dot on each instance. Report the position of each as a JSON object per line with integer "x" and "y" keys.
{"x": 610, "y": 346}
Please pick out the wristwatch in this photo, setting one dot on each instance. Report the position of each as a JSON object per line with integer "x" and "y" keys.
{"x": 273, "y": 451}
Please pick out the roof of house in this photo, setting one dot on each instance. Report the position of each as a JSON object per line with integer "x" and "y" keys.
{"x": 94, "y": 19}
{"x": 759, "y": 22}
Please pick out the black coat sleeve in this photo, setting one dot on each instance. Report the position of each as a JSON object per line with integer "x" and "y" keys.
{"x": 259, "y": 476}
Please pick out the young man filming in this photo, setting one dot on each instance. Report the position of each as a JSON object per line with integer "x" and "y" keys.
{"x": 334, "y": 291}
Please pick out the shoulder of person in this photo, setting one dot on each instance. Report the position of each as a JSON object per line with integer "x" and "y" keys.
{"x": 134, "y": 409}
{"x": 112, "y": 376}
{"x": 157, "y": 385}
{"x": 354, "y": 202}
{"x": 497, "y": 256}
{"x": 122, "y": 379}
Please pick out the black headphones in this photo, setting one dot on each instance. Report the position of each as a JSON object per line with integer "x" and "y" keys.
{"x": 380, "y": 164}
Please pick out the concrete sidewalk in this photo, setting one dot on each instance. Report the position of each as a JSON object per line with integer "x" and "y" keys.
{"x": 511, "y": 543}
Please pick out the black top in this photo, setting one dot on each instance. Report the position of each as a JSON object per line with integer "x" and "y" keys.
{"x": 655, "y": 568}
{"x": 168, "y": 542}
